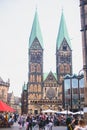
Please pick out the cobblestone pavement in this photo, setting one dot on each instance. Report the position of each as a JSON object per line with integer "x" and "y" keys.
{"x": 16, "y": 127}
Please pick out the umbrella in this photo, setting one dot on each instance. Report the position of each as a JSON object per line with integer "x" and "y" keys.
{"x": 49, "y": 111}
{"x": 65, "y": 112}
{"x": 5, "y": 108}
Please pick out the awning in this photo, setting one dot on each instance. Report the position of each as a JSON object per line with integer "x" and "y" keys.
{"x": 5, "y": 108}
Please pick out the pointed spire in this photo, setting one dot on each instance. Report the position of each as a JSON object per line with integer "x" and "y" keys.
{"x": 36, "y": 31}
{"x": 24, "y": 87}
{"x": 63, "y": 33}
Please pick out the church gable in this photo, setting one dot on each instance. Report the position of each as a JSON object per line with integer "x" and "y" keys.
{"x": 51, "y": 78}
{"x": 64, "y": 46}
{"x": 50, "y": 89}
{"x": 36, "y": 45}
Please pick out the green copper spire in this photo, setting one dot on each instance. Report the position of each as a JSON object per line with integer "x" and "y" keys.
{"x": 36, "y": 31}
{"x": 63, "y": 33}
{"x": 24, "y": 87}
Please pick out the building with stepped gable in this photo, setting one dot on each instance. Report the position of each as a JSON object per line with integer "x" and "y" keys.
{"x": 46, "y": 90}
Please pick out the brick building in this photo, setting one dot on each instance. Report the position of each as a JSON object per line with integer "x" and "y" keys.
{"x": 4, "y": 87}
{"x": 45, "y": 90}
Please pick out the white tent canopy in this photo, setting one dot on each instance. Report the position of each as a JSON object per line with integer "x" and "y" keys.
{"x": 49, "y": 111}
{"x": 65, "y": 112}
{"x": 79, "y": 113}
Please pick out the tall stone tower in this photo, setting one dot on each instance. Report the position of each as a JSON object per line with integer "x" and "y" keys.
{"x": 63, "y": 51}
{"x": 35, "y": 76}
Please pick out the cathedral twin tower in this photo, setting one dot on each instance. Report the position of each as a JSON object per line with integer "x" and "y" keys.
{"x": 45, "y": 90}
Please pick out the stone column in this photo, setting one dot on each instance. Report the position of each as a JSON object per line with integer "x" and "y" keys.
{"x": 83, "y": 12}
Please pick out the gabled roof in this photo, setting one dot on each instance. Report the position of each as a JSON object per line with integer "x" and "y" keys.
{"x": 6, "y": 84}
{"x": 45, "y": 75}
{"x": 36, "y": 31}
{"x": 63, "y": 33}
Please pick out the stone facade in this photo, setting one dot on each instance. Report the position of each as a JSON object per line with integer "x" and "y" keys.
{"x": 45, "y": 90}
{"x": 9, "y": 98}
{"x": 4, "y": 87}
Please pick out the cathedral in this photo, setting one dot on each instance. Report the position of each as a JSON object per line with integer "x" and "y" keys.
{"x": 46, "y": 90}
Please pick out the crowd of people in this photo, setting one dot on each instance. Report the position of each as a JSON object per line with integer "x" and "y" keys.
{"x": 43, "y": 121}
{"x": 7, "y": 119}
{"x": 32, "y": 121}
{"x": 47, "y": 121}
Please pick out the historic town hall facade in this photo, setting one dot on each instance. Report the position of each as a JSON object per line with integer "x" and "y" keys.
{"x": 45, "y": 90}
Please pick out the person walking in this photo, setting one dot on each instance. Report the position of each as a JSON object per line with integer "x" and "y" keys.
{"x": 81, "y": 125}
{"x": 70, "y": 123}
{"x": 29, "y": 122}
{"x": 20, "y": 121}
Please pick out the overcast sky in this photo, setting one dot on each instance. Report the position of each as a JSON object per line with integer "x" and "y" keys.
{"x": 16, "y": 18}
